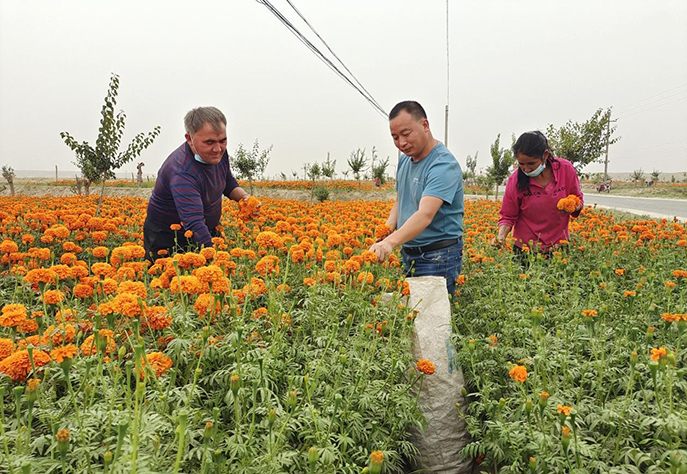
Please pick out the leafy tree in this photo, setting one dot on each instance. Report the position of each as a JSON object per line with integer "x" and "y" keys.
{"x": 282, "y": 175}
{"x": 470, "y": 168}
{"x": 637, "y": 175}
{"x": 502, "y": 159}
{"x": 379, "y": 170}
{"x": 328, "y": 168}
{"x": 582, "y": 143}
{"x": 313, "y": 172}
{"x": 655, "y": 175}
{"x": 294, "y": 174}
{"x": 357, "y": 163}
{"x": 99, "y": 164}
{"x": 8, "y": 174}
{"x": 251, "y": 164}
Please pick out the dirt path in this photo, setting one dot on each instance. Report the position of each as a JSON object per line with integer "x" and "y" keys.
{"x": 32, "y": 189}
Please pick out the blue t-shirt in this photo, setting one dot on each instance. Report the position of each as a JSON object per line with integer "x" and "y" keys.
{"x": 438, "y": 175}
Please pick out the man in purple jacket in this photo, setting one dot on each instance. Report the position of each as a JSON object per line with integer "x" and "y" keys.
{"x": 189, "y": 188}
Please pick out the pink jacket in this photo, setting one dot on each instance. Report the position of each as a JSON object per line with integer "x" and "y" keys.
{"x": 534, "y": 215}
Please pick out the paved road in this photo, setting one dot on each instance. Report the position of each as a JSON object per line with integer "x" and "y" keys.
{"x": 657, "y": 208}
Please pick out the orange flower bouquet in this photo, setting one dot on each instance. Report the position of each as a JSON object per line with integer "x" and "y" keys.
{"x": 569, "y": 204}
{"x": 249, "y": 208}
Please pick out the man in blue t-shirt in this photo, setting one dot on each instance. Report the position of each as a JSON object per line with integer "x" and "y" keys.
{"x": 428, "y": 212}
{"x": 189, "y": 188}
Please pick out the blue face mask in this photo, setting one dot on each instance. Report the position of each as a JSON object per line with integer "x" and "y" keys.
{"x": 537, "y": 172}
{"x": 197, "y": 156}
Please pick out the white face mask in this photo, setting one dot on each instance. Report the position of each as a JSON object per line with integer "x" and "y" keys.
{"x": 197, "y": 156}
{"x": 537, "y": 172}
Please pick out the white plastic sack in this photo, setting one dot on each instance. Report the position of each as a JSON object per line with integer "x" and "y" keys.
{"x": 445, "y": 434}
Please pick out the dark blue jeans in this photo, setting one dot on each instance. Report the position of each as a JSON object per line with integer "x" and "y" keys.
{"x": 445, "y": 262}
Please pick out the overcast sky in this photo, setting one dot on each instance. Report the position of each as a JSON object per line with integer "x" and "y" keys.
{"x": 515, "y": 65}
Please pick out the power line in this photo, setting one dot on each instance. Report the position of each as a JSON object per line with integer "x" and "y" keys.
{"x": 651, "y": 108}
{"x": 321, "y": 56}
{"x": 655, "y": 146}
{"x": 628, "y": 109}
{"x": 652, "y": 153}
{"x": 651, "y": 97}
{"x": 334, "y": 54}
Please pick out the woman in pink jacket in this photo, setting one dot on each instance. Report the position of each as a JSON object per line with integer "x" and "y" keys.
{"x": 530, "y": 203}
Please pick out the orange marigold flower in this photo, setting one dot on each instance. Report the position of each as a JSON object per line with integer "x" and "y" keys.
{"x": 6, "y": 348}
{"x": 658, "y": 353}
{"x": 156, "y": 318}
{"x": 100, "y": 252}
{"x": 207, "y": 303}
{"x": 175, "y": 227}
{"x": 569, "y": 204}
{"x": 518, "y": 373}
{"x": 13, "y": 315}
{"x": 382, "y": 231}
{"x": 565, "y": 431}
{"x": 88, "y": 347}
{"x": 284, "y": 288}
{"x": 8, "y": 246}
{"x": 159, "y": 363}
{"x": 590, "y": 313}
{"x": 493, "y": 340}
{"x": 249, "y": 208}
{"x": 41, "y": 275}
{"x": 59, "y": 354}
{"x": 564, "y": 409}
{"x": 188, "y": 284}
{"x": 629, "y": 293}
{"x": 680, "y": 274}
{"x": 52, "y": 296}
{"x": 425, "y": 366}
{"x": 366, "y": 278}
{"x": 256, "y": 287}
{"x": 269, "y": 239}
{"x": 82, "y": 291}
{"x": 137, "y": 288}
{"x": 619, "y": 271}
{"x": 18, "y": 365}
{"x": 309, "y": 282}
{"x": 29, "y": 326}
{"x": 269, "y": 264}
{"x": 376, "y": 460}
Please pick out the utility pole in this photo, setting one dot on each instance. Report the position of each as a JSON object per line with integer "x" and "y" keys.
{"x": 448, "y": 69}
{"x": 608, "y": 139}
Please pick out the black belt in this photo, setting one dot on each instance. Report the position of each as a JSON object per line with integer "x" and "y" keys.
{"x": 433, "y": 246}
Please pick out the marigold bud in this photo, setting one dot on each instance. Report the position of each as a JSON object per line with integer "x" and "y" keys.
{"x": 234, "y": 383}
{"x": 376, "y": 461}
{"x": 313, "y": 456}
{"x": 62, "y": 438}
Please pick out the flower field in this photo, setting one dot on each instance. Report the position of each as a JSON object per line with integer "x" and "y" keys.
{"x": 273, "y": 352}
